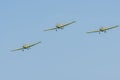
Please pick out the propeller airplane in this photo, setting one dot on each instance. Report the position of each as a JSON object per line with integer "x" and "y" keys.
{"x": 103, "y": 29}
{"x": 60, "y": 26}
{"x": 26, "y": 46}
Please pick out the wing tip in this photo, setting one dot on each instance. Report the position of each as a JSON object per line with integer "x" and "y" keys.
{"x": 88, "y": 32}
{"x": 117, "y": 25}
{"x": 46, "y": 30}
{"x": 13, "y": 50}
{"x": 40, "y": 42}
{"x": 73, "y": 21}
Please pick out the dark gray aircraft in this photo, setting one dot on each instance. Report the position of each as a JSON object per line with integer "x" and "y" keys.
{"x": 26, "y": 46}
{"x": 60, "y": 26}
{"x": 103, "y": 29}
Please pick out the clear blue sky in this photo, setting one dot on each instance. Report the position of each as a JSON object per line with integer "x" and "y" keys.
{"x": 68, "y": 54}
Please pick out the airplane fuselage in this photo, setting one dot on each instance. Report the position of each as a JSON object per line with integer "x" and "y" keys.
{"x": 26, "y": 46}
{"x": 103, "y": 29}
{"x": 59, "y": 26}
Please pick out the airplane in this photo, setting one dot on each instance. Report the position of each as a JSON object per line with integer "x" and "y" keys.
{"x": 103, "y": 29}
{"x": 26, "y": 46}
{"x": 60, "y": 26}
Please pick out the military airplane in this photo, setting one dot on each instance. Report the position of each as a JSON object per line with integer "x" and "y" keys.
{"x": 60, "y": 26}
{"x": 26, "y": 46}
{"x": 103, "y": 29}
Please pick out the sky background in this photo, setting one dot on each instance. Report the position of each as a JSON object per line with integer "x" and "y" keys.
{"x": 68, "y": 54}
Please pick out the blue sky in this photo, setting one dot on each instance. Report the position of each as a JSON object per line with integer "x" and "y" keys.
{"x": 68, "y": 54}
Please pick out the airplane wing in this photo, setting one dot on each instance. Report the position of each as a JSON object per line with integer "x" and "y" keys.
{"x": 18, "y": 49}
{"x": 94, "y": 31}
{"x": 68, "y": 23}
{"x": 50, "y": 29}
{"x": 112, "y": 27}
{"x": 34, "y": 44}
